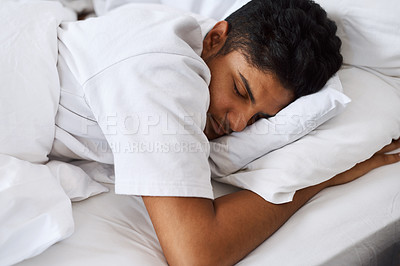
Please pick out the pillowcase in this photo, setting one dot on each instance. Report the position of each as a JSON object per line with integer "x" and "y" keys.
{"x": 30, "y": 86}
{"x": 230, "y": 153}
{"x": 369, "y": 122}
{"x": 370, "y": 32}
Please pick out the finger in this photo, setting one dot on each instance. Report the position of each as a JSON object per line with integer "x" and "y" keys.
{"x": 362, "y": 168}
{"x": 394, "y": 145}
{"x": 385, "y": 159}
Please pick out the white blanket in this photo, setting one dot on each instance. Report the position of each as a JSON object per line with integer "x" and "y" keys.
{"x": 35, "y": 206}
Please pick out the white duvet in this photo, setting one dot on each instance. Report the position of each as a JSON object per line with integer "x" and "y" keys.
{"x": 35, "y": 198}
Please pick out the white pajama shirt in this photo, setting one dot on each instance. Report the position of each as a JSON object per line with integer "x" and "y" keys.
{"x": 134, "y": 93}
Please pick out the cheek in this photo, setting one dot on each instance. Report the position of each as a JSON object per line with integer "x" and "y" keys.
{"x": 220, "y": 92}
{"x": 220, "y": 100}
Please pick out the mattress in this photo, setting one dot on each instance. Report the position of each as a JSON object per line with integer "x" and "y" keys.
{"x": 352, "y": 224}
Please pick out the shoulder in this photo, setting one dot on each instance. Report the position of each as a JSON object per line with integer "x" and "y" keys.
{"x": 126, "y": 32}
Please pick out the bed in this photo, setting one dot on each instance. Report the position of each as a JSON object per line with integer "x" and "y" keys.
{"x": 335, "y": 228}
{"x": 352, "y": 224}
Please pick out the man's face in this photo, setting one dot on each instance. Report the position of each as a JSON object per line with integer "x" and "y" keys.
{"x": 240, "y": 94}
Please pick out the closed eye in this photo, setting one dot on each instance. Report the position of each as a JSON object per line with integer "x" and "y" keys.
{"x": 237, "y": 91}
{"x": 257, "y": 117}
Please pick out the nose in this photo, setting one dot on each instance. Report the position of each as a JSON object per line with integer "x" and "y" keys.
{"x": 239, "y": 120}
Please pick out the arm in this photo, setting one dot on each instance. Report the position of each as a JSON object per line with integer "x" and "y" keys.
{"x": 197, "y": 231}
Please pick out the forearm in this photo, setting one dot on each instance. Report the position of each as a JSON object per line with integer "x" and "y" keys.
{"x": 220, "y": 232}
{"x": 196, "y": 231}
{"x": 259, "y": 219}
{"x": 247, "y": 220}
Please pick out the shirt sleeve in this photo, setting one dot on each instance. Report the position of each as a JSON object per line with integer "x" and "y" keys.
{"x": 151, "y": 109}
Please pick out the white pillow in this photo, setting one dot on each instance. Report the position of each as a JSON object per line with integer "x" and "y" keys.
{"x": 369, "y": 122}
{"x": 29, "y": 80}
{"x": 370, "y": 32}
{"x": 230, "y": 153}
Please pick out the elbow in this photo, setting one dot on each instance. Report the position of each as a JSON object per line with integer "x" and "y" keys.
{"x": 196, "y": 255}
{"x": 199, "y": 249}
{"x": 188, "y": 231}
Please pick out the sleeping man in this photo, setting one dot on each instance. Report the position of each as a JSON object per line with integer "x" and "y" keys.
{"x": 145, "y": 88}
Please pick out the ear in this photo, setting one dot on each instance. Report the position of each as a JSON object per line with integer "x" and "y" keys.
{"x": 215, "y": 39}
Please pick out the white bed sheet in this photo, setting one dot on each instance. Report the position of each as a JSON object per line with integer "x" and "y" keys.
{"x": 353, "y": 224}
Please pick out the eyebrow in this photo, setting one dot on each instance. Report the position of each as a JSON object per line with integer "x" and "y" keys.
{"x": 247, "y": 86}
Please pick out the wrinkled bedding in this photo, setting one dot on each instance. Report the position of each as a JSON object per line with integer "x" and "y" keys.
{"x": 336, "y": 227}
{"x": 35, "y": 196}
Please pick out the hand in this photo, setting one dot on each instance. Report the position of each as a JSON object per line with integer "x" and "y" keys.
{"x": 379, "y": 159}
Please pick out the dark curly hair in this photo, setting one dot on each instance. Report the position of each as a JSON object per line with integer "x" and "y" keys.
{"x": 293, "y": 39}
